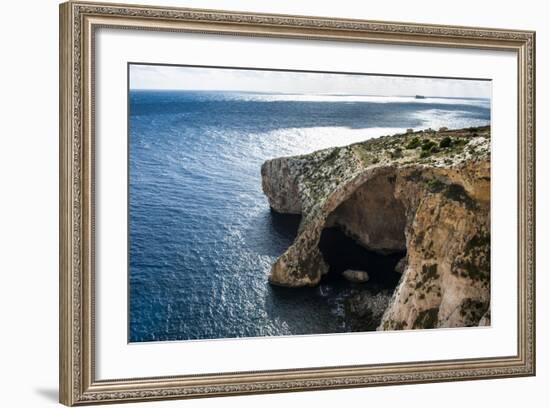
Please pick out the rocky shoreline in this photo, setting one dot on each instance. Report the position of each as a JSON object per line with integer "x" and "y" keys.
{"x": 426, "y": 193}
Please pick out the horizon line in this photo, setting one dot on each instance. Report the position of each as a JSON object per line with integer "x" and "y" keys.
{"x": 301, "y": 93}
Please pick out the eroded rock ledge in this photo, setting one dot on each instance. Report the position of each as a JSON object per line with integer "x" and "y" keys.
{"x": 424, "y": 192}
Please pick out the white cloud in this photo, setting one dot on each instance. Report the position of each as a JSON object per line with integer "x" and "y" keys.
{"x": 223, "y": 79}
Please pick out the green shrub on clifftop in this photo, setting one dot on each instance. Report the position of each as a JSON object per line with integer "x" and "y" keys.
{"x": 413, "y": 143}
{"x": 445, "y": 142}
{"x": 427, "y": 145}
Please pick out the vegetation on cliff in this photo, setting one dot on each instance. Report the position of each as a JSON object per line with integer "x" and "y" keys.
{"x": 427, "y": 192}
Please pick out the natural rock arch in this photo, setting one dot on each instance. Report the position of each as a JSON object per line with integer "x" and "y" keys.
{"x": 437, "y": 209}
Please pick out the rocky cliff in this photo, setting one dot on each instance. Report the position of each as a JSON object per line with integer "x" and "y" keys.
{"x": 426, "y": 193}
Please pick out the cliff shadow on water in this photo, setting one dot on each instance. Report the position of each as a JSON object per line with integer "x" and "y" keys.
{"x": 354, "y": 306}
{"x": 343, "y": 253}
{"x": 363, "y": 303}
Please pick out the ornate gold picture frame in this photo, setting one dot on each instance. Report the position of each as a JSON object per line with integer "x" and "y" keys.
{"x": 78, "y": 24}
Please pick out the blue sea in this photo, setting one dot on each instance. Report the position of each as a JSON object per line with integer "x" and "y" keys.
{"x": 202, "y": 237}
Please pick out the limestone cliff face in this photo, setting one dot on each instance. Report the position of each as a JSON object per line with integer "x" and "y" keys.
{"x": 425, "y": 192}
{"x": 280, "y": 188}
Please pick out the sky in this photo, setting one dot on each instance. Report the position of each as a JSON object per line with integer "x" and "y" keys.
{"x": 221, "y": 79}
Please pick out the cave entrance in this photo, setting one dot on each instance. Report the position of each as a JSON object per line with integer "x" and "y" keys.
{"x": 343, "y": 253}
{"x": 366, "y": 232}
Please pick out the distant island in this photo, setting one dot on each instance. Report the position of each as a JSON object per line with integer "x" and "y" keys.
{"x": 422, "y": 193}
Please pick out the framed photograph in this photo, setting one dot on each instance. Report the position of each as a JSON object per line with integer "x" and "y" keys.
{"x": 256, "y": 203}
